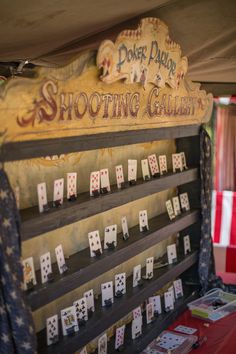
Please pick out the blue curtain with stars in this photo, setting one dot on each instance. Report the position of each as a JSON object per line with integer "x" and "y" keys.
{"x": 16, "y": 323}
{"x": 206, "y": 268}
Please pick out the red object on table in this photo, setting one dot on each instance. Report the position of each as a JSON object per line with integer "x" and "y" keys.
{"x": 221, "y": 335}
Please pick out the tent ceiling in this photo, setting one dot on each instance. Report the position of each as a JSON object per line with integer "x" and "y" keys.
{"x": 53, "y": 32}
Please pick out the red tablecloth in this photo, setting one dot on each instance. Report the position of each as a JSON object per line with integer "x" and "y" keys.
{"x": 221, "y": 335}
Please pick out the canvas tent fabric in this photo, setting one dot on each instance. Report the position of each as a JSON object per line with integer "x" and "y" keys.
{"x": 53, "y": 33}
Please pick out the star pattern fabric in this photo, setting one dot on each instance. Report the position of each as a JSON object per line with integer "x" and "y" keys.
{"x": 17, "y": 333}
{"x": 206, "y": 268}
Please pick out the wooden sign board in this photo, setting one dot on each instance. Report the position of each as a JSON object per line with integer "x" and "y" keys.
{"x": 139, "y": 82}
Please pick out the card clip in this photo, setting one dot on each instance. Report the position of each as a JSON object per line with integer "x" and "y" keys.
{"x": 144, "y": 228}
{"x": 174, "y": 260}
{"x": 50, "y": 277}
{"x": 64, "y": 268}
{"x": 104, "y": 190}
{"x": 108, "y": 303}
{"x": 54, "y": 339}
{"x": 140, "y": 283}
{"x": 82, "y": 322}
{"x": 121, "y": 348}
{"x": 96, "y": 193}
{"x": 46, "y": 207}
{"x": 156, "y": 175}
{"x": 149, "y": 276}
{"x": 167, "y": 309}
{"x": 177, "y": 170}
{"x": 184, "y": 209}
{"x": 188, "y": 252}
{"x": 30, "y": 285}
{"x": 70, "y": 331}
{"x": 147, "y": 178}
{"x": 90, "y": 312}
{"x": 72, "y": 198}
{"x": 119, "y": 293}
{"x": 57, "y": 203}
{"x": 156, "y": 313}
{"x": 122, "y": 185}
{"x": 132, "y": 182}
{"x": 125, "y": 237}
{"x": 111, "y": 245}
{"x": 97, "y": 252}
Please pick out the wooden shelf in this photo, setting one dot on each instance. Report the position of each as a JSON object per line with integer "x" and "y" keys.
{"x": 83, "y": 268}
{"x": 152, "y": 330}
{"x": 14, "y": 151}
{"x": 34, "y": 223}
{"x": 103, "y": 318}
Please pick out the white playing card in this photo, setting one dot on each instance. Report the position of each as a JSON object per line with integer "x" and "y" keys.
{"x": 107, "y": 292}
{"x": 149, "y": 312}
{"x": 176, "y": 205}
{"x": 170, "y": 210}
{"x": 94, "y": 182}
{"x": 153, "y": 164}
{"x": 183, "y": 160}
{"x": 185, "y": 329}
{"x": 171, "y": 253}
{"x": 60, "y": 259}
{"x": 52, "y": 329}
{"x": 83, "y": 351}
{"x": 94, "y": 243}
{"x": 45, "y": 266}
{"x": 120, "y": 334}
{"x": 102, "y": 344}
{"x": 42, "y": 196}
{"x": 187, "y": 245}
{"x": 119, "y": 176}
{"x": 120, "y": 283}
{"x": 171, "y": 289}
{"x": 81, "y": 309}
{"x": 136, "y": 327}
{"x": 177, "y": 162}
{"x": 132, "y": 170}
{"x": 58, "y": 191}
{"x": 125, "y": 229}
{"x": 184, "y": 201}
{"x": 137, "y": 312}
{"x": 29, "y": 273}
{"x": 89, "y": 296}
{"x": 149, "y": 268}
{"x": 145, "y": 169}
{"x": 178, "y": 288}
{"x": 69, "y": 321}
{"x": 136, "y": 275}
{"x": 170, "y": 341}
{"x": 110, "y": 237}
{"x": 143, "y": 221}
{"x": 156, "y": 301}
{"x": 105, "y": 182}
{"x": 71, "y": 184}
{"x": 169, "y": 301}
{"x": 162, "y": 164}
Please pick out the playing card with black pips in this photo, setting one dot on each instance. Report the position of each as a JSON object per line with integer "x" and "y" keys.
{"x": 46, "y": 267}
{"x": 52, "y": 329}
{"x": 120, "y": 284}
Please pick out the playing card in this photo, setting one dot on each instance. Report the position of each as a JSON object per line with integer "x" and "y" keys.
{"x": 156, "y": 301}
{"x": 89, "y": 296}
{"x": 60, "y": 259}
{"x": 119, "y": 176}
{"x": 178, "y": 288}
{"x": 120, "y": 334}
{"x": 137, "y": 312}
{"x": 42, "y": 196}
{"x": 110, "y": 237}
{"x": 83, "y": 351}
{"x": 136, "y": 327}
{"x": 149, "y": 267}
{"x": 170, "y": 341}
{"x": 132, "y": 170}
{"x": 136, "y": 275}
{"x": 81, "y": 309}
{"x": 69, "y": 321}
{"x": 171, "y": 289}
{"x": 187, "y": 245}
{"x": 185, "y": 329}
{"x": 149, "y": 312}
{"x": 94, "y": 243}
{"x": 170, "y": 210}
{"x": 29, "y": 273}
{"x": 45, "y": 266}
{"x": 176, "y": 206}
{"x": 102, "y": 344}
{"x": 107, "y": 293}
{"x": 145, "y": 170}
{"x": 120, "y": 284}
{"x": 153, "y": 164}
{"x": 184, "y": 201}
{"x": 94, "y": 183}
{"x": 183, "y": 160}
{"x": 58, "y": 192}
{"x": 71, "y": 185}
{"x": 177, "y": 162}
{"x": 125, "y": 229}
{"x": 143, "y": 221}
{"x": 52, "y": 329}
{"x": 171, "y": 253}
{"x": 163, "y": 164}
{"x": 105, "y": 182}
{"x": 169, "y": 301}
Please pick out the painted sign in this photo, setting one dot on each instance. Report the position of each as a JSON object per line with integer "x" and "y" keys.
{"x": 65, "y": 102}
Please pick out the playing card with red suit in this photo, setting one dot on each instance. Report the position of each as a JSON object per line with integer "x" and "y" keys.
{"x": 119, "y": 176}
{"x": 120, "y": 334}
{"x": 163, "y": 164}
{"x": 94, "y": 182}
{"x": 71, "y": 185}
{"x": 153, "y": 164}
{"x": 58, "y": 191}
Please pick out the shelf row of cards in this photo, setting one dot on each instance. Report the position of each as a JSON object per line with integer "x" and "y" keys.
{"x": 95, "y": 245}
{"x": 100, "y": 182}
{"x": 82, "y": 309}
